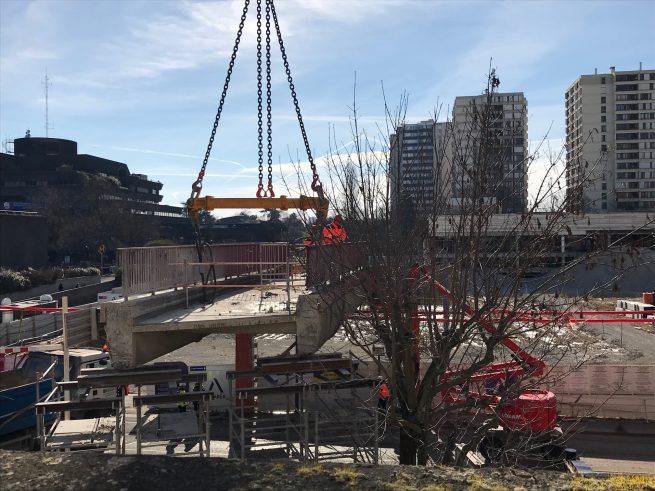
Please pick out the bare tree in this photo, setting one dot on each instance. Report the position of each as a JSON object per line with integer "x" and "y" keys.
{"x": 445, "y": 281}
{"x": 92, "y": 210}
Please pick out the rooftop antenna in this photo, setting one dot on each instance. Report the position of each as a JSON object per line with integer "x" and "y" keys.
{"x": 46, "y": 84}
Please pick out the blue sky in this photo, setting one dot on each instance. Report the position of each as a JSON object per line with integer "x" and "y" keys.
{"x": 139, "y": 82}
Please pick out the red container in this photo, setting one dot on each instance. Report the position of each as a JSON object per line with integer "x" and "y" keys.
{"x": 648, "y": 297}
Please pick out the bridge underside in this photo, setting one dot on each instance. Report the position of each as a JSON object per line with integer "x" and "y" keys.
{"x": 142, "y": 329}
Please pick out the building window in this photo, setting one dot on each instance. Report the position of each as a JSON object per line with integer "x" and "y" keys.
{"x": 603, "y": 109}
{"x": 604, "y": 186}
{"x": 603, "y": 138}
{"x": 603, "y": 100}
{"x": 603, "y": 129}
{"x": 603, "y": 119}
{"x": 604, "y": 205}
{"x": 602, "y": 80}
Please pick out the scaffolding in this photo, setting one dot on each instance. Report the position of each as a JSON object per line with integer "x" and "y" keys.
{"x": 105, "y": 432}
{"x": 310, "y": 409}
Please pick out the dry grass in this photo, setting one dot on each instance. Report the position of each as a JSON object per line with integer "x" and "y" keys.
{"x": 310, "y": 470}
{"x": 621, "y": 482}
{"x": 348, "y": 475}
{"x": 478, "y": 484}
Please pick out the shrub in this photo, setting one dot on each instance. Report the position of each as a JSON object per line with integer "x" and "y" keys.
{"x": 11, "y": 281}
{"x": 42, "y": 276}
{"x": 160, "y": 242}
{"x": 73, "y": 272}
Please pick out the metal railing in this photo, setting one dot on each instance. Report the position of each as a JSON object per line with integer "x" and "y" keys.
{"x": 152, "y": 269}
{"x": 304, "y": 419}
{"x": 330, "y": 262}
{"x": 201, "y": 436}
{"x": 54, "y": 403}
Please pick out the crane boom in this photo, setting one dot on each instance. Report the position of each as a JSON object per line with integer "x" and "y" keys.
{"x": 535, "y": 365}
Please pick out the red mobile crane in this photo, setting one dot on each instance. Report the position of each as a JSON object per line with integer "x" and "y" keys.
{"x": 531, "y": 413}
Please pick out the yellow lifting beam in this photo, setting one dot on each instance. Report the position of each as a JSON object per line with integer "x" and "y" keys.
{"x": 281, "y": 203}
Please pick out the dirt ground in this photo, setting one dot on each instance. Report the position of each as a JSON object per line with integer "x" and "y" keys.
{"x": 77, "y": 471}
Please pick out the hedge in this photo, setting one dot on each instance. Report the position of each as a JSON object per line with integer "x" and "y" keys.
{"x": 14, "y": 281}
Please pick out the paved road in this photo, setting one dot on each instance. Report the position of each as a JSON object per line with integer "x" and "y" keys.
{"x": 617, "y": 446}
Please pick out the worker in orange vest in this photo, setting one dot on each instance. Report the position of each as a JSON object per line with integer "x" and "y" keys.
{"x": 384, "y": 395}
{"x": 334, "y": 233}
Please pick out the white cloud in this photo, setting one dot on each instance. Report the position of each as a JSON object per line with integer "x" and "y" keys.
{"x": 167, "y": 154}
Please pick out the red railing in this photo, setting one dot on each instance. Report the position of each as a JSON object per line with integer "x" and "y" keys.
{"x": 329, "y": 262}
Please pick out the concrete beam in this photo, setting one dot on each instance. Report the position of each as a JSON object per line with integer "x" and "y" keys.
{"x": 138, "y": 332}
{"x": 256, "y": 324}
{"x": 133, "y": 340}
{"x": 319, "y": 315}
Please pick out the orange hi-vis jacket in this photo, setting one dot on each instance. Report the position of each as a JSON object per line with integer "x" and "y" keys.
{"x": 334, "y": 233}
{"x": 385, "y": 393}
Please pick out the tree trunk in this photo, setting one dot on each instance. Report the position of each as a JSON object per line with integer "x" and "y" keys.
{"x": 408, "y": 447}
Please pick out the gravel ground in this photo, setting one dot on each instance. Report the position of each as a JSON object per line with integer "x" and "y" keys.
{"x": 630, "y": 344}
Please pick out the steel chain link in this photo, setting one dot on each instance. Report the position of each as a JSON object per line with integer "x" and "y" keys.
{"x": 260, "y": 143}
{"x": 269, "y": 112}
{"x": 197, "y": 186}
{"x": 316, "y": 184}
{"x": 270, "y": 10}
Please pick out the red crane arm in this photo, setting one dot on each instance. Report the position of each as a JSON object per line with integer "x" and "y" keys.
{"x": 535, "y": 365}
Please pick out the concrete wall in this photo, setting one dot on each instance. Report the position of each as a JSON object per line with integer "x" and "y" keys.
{"x": 69, "y": 285}
{"x": 129, "y": 349}
{"x": 319, "y": 315}
{"x": 609, "y": 391}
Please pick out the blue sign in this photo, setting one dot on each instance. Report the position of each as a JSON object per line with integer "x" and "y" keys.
{"x": 198, "y": 368}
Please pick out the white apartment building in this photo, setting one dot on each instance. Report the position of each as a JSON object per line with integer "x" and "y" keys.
{"x": 416, "y": 171}
{"x": 489, "y": 146}
{"x": 610, "y": 141}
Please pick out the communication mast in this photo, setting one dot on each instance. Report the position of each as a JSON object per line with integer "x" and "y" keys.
{"x": 46, "y": 84}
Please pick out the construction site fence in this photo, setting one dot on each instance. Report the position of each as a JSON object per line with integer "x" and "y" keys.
{"x": 81, "y": 326}
{"x": 152, "y": 269}
{"x": 329, "y": 262}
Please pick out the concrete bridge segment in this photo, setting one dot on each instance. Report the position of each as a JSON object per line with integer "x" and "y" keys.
{"x": 143, "y": 329}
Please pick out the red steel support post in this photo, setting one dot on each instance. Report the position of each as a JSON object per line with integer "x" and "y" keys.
{"x": 244, "y": 361}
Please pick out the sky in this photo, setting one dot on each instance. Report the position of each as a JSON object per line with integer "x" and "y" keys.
{"x": 139, "y": 81}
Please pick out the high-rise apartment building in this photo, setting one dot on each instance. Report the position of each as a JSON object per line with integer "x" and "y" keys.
{"x": 416, "y": 171}
{"x": 610, "y": 141}
{"x": 489, "y": 150}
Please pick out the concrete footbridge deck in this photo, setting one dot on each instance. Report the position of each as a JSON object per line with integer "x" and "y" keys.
{"x": 144, "y": 327}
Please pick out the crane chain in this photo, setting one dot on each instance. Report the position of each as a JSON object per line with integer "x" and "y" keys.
{"x": 197, "y": 186}
{"x": 260, "y": 143}
{"x": 269, "y": 122}
{"x": 316, "y": 183}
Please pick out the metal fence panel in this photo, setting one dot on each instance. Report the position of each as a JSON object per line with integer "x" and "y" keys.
{"x": 326, "y": 262}
{"x": 151, "y": 269}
